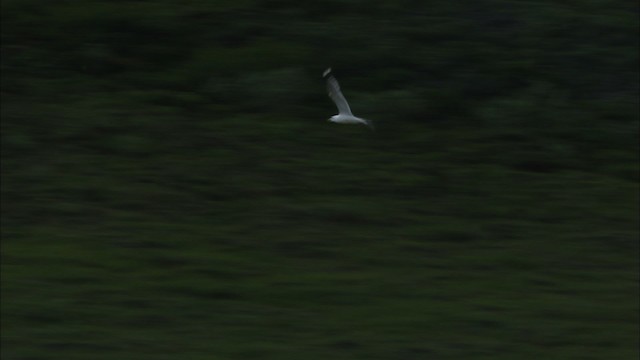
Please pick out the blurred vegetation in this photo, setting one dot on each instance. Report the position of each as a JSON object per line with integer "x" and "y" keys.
{"x": 171, "y": 188}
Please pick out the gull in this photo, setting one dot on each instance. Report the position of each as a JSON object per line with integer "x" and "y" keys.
{"x": 344, "y": 112}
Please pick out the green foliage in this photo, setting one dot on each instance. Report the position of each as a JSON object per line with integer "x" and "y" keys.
{"x": 171, "y": 188}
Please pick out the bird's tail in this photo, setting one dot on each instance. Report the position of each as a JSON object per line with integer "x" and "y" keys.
{"x": 369, "y": 123}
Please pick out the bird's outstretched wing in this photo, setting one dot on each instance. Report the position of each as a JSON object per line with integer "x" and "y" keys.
{"x": 335, "y": 94}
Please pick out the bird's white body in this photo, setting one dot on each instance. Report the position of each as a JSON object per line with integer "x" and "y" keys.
{"x": 344, "y": 111}
{"x": 348, "y": 119}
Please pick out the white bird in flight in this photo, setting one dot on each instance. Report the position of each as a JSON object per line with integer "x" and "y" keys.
{"x": 344, "y": 112}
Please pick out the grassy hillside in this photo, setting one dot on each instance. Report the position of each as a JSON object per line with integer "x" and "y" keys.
{"x": 171, "y": 188}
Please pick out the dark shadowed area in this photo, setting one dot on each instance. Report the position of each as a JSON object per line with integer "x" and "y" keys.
{"x": 171, "y": 188}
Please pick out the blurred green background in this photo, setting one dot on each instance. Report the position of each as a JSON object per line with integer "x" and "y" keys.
{"x": 171, "y": 188}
